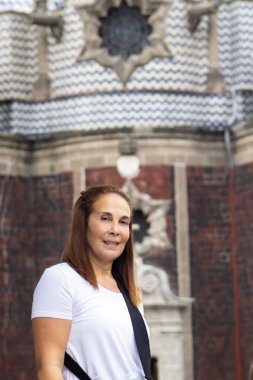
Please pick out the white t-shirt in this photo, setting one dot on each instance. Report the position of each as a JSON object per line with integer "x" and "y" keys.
{"x": 101, "y": 340}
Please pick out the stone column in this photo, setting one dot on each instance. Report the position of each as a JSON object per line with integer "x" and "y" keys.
{"x": 183, "y": 260}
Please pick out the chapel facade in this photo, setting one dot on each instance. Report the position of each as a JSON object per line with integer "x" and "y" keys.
{"x": 154, "y": 96}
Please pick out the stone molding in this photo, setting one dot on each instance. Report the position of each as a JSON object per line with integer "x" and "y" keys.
{"x": 65, "y": 153}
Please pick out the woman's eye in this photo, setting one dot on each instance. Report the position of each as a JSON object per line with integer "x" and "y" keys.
{"x": 124, "y": 222}
{"x": 104, "y": 218}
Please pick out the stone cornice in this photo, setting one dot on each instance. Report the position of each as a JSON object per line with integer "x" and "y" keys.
{"x": 242, "y": 142}
{"x": 65, "y": 153}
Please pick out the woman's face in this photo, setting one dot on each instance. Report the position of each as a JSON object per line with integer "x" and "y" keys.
{"x": 108, "y": 228}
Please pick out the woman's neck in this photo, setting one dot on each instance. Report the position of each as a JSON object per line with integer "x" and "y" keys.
{"x": 102, "y": 270}
{"x": 104, "y": 275}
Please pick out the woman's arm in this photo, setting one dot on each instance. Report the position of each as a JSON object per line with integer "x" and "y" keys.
{"x": 50, "y": 337}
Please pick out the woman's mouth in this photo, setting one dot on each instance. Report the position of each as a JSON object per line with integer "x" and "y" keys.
{"x": 111, "y": 243}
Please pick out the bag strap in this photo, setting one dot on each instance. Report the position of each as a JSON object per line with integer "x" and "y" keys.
{"x": 140, "y": 333}
{"x": 75, "y": 368}
{"x": 141, "y": 338}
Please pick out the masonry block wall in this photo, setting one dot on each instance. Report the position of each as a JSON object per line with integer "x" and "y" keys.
{"x": 17, "y": 277}
{"x": 210, "y": 214}
{"x": 211, "y": 273}
{"x": 244, "y": 224}
{"x": 34, "y": 217}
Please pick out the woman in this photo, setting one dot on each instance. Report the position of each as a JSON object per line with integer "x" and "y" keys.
{"x": 77, "y": 304}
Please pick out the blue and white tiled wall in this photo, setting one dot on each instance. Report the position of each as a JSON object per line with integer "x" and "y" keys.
{"x": 163, "y": 93}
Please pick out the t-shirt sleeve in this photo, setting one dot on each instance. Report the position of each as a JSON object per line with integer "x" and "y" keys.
{"x": 52, "y": 296}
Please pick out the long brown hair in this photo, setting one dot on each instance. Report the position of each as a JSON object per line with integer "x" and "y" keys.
{"x": 75, "y": 252}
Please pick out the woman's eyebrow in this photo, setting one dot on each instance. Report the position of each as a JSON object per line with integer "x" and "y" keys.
{"x": 110, "y": 214}
{"x": 103, "y": 213}
{"x": 126, "y": 217}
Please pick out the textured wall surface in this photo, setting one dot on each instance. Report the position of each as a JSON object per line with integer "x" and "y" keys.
{"x": 212, "y": 245}
{"x": 244, "y": 220}
{"x": 34, "y": 216}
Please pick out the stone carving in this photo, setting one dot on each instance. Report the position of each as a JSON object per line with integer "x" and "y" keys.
{"x": 196, "y": 10}
{"x": 43, "y": 20}
{"x": 155, "y": 211}
{"x": 40, "y": 17}
{"x": 153, "y": 281}
{"x": 155, "y": 12}
{"x": 155, "y": 286}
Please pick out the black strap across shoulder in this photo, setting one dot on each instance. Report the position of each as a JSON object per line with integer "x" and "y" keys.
{"x": 141, "y": 338}
{"x": 75, "y": 368}
{"x": 140, "y": 333}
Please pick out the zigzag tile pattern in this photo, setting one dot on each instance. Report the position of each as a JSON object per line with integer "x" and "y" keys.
{"x": 5, "y": 117}
{"x": 163, "y": 93}
{"x": 27, "y": 5}
{"x": 186, "y": 72}
{"x": 236, "y": 44}
{"x": 118, "y": 110}
{"x": 245, "y": 107}
{"x": 17, "y": 5}
{"x": 18, "y": 57}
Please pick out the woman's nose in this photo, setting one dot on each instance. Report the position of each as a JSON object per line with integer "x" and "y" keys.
{"x": 114, "y": 229}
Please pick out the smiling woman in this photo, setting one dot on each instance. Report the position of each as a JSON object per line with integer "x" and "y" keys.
{"x": 107, "y": 234}
{"x": 81, "y": 305}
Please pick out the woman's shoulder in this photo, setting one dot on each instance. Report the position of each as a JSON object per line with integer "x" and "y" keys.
{"x": 63, "y": 271}
{"x": 60, "y": 268}
{"x": 61, "y": 279}
{"x": 54, "y": 293}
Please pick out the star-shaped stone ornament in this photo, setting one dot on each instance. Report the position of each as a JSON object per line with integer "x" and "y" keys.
{"x": 155, "y": 212}
{"x": 124, "y": 34}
